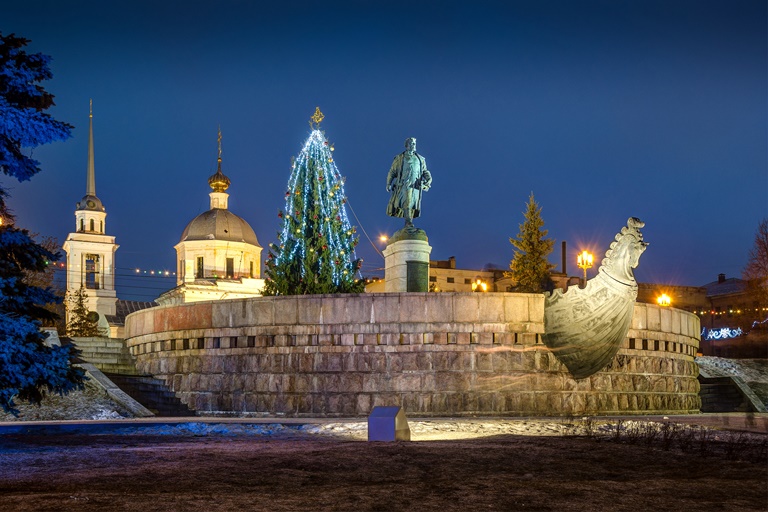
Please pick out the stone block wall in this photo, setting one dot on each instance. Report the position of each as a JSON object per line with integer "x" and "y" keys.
{"x": 435, "y": 354}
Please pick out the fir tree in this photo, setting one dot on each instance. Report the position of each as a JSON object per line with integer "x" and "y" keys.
{"x": 529, "y": 266}
{"x": 23, "y": 122}
{"x": 28, "y": 368}
{"x": 82, "y": 323}
{"x": 315, "y": 252}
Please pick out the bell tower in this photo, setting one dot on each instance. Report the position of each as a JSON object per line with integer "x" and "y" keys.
{"x": 90, "y": 251}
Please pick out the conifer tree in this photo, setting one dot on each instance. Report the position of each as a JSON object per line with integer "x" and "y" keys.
{"x": 28, "y": 368}
{"x": 82, "y": 323}
{"x": 529, "y": 266}
{"x": 315, "y": 252}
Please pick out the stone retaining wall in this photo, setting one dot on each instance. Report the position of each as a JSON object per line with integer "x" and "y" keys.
{"x": 436, "y": 354}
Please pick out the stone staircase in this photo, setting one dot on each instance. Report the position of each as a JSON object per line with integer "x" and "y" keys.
{"x": 113, "y": 358}
{"x": 110, "y": 355}
{"x": 727, "y": 394}
{"x": 720, "y": 394}
{"x": 152, "y": 393}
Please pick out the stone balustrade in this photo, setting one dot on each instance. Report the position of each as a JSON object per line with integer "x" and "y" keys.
{"x": 435, "y": 354}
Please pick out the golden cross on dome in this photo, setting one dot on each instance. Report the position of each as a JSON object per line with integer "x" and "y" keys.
{"x": 219, "y": 140}
{"x": 317, "y": 116}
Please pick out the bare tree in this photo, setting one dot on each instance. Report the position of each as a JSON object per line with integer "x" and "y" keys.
{"x": 756, "y": 271}
{"x": 45, "y": 279}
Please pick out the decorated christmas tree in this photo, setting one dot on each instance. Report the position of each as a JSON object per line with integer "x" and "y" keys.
{"x": 315, "y": 252}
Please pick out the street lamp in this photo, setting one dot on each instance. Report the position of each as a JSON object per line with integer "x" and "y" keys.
{"x": 478, "y": 285}
{"x": 584, "y": 260}
{"x": 664, "y": 300}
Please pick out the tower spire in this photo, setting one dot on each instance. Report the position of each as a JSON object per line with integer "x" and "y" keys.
{"x": 219, "y": 183}
{"x": 90, "y": 183}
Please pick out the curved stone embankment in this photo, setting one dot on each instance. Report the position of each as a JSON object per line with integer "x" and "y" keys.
{"x": 435, "y": 354}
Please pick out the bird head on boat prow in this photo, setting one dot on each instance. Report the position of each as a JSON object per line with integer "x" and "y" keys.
{"x": 624, "y": 253}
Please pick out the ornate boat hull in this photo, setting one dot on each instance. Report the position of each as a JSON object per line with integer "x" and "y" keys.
{"x": 584, "y": 328}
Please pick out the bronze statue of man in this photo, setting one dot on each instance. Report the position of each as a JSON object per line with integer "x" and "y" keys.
{"x": 407, "y": 179}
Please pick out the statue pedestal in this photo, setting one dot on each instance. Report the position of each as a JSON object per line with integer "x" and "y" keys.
{"x": 406, "y": 262}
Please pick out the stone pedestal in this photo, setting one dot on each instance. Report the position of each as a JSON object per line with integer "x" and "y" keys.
{"x": 406, "y": 262}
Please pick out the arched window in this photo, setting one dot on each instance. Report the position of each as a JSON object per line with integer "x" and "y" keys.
{"x": 101, "y": 226}
{"x": 82, "y": 224}
{"x": 92, "y": 226}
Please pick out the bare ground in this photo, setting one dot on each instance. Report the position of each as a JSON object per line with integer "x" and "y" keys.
{"x": 301, "y": 472}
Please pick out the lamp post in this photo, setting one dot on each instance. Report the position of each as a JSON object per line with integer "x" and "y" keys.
{"x": 478, "y": 285}
{"x": 584, "y": 260}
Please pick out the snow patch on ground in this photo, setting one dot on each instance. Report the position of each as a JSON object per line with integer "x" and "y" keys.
{"x": 92, "y": 403}
{"x": 751, "y": 370}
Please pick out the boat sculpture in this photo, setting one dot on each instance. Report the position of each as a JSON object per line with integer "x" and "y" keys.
{"x": 584, "y": 327}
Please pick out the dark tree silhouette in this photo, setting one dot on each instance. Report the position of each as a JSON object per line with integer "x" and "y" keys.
{"x": 28, "y": 368}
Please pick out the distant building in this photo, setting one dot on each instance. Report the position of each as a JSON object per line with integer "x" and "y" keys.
{"x": 445, "y": 277}
{"x": 219, "y": 256}
{"x": 725, "y": 303}
{"x": 731, "y": 304}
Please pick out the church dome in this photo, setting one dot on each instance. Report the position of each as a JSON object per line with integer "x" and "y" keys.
{"x": 219, "y": 182}
{"x": 219, "y": 224}
{"x": 90, "y": 202}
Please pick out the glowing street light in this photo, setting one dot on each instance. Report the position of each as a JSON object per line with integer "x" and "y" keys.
{"x": 585, "y": 261}
{"x": 383, "y": 239}
{"x": 478, "y": 285}
{"x": 664, "y": 300}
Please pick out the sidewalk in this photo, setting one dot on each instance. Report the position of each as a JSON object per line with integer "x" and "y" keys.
{"x": 749, "y": 422}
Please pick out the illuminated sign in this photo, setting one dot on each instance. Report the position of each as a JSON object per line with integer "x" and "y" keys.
{"x": 723, "y": 333}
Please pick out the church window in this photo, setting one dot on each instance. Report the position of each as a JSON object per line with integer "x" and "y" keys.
{"x": 250, "y": 272}
{"x": 200, "y": 273}
{"x": 92, "y": 226}
{"x": 92, "y": 271}
{"x": 101, "y": 226}
{"x": 230, "y": 268}
{"x": 82, "y": 224}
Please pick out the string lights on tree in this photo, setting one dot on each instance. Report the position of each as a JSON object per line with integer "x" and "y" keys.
{"x": 315, "y": 252}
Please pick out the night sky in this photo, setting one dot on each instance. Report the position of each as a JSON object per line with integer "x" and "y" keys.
{"x": 604, "y": 110}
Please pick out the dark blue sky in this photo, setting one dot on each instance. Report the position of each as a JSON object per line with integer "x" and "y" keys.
{"x": 604, "y": 110}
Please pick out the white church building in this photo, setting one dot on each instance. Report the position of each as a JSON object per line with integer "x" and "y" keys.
{"x": 218, "y": 255}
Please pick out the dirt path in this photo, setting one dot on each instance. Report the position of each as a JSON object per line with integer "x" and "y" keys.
{"x": 503, "y": 472}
